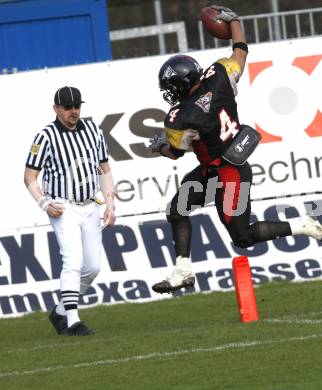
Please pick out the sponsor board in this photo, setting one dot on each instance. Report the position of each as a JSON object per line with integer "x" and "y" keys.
{"x": 279, "y": 94}
{"x": 138, "y": 252}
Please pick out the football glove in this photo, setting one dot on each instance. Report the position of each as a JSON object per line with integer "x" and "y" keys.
{"x": 157, "y": 142}
{"x": 226, "y": 14}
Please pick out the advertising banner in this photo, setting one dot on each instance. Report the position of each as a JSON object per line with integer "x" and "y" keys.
{"x": 138, "y": 252}
{"x": 280, "y": 94}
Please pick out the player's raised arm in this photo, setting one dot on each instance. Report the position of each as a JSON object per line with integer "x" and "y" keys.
{"x": 223, "y": 23}
{"x": 240, "y": 49}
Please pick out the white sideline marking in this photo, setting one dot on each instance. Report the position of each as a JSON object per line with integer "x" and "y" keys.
{"x": 295, "y": 321}
{"x": 285, "y": 320}
{"x": 53, "y": 346}
{"x": 159, "y": 355}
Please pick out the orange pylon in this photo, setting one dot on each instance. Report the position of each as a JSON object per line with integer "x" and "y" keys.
{"x": 244, "y": 289}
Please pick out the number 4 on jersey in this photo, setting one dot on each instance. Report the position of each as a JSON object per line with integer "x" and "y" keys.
{"x": 229, "y": 128}
{"x": 173, "y": 114}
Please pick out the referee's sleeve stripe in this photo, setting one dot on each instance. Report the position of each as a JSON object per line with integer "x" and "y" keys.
{"x": 43, "y": 154}
{"x": 37, "y": 157}
{"x": 32, "y": 167}
{"x": 36, "y": 141}
{"x": 103, "y": 152}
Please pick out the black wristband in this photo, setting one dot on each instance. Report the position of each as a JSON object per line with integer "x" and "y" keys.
{"x": 241, "y": 46}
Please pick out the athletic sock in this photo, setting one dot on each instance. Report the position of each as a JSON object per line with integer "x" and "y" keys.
{"x": 60, "y": 309}
{"x": 183, "y": 263}
{"x": 298, "y": 226}
{"x": 72, "y": 317}
{"x": 181, "y": 231}
{"x": 70, "y": 301}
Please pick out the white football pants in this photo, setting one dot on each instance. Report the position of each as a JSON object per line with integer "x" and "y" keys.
{"x": 79, "y": 235}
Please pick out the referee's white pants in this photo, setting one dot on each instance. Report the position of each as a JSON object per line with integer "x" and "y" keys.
{"x": 79, "y": 235}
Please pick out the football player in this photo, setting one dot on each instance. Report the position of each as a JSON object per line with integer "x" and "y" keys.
{"x": 204, "y": 119}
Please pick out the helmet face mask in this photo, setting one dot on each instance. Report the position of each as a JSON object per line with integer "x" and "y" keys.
{"x": 177, "y": 76}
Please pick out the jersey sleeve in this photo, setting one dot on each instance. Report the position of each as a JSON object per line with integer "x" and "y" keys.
{"x": 103, "y": 149}
{"x": 182, "y": 139}
{"x": 39, "y": 152}
{"x": 178, "y": 131}
{"x": 233, "y": 71}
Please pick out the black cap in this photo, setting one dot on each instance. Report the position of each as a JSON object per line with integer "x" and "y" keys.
{"x": 67, "y": 96}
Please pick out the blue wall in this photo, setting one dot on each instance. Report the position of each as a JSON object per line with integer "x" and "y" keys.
{"x": 46, "y": 33}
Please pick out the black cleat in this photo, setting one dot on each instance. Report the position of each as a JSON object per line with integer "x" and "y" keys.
{"x": 58, "y": 322}
{"x": 166, "y": 287}
{"x": 79, "y": 329}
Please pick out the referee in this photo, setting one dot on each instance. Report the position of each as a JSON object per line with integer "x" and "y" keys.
{"x": 73, "y": 155}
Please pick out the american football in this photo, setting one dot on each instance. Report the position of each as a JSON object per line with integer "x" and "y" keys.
{"x": 217, "y": 28}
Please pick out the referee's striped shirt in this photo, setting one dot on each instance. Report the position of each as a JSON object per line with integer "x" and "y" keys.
{"x": 70, "y": 159}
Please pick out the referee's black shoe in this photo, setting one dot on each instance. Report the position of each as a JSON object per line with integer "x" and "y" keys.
{"x": 79, "y": 329}
{"x": 58, "y": 321}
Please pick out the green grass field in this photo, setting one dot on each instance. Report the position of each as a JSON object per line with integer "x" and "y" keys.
{"x": 193, "y": 342}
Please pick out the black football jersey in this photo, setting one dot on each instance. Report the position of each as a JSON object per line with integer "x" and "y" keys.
{"x": 207, "y": 121}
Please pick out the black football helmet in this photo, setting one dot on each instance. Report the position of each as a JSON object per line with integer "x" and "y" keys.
{"x": 176, "y": 77}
